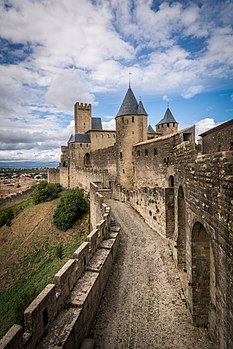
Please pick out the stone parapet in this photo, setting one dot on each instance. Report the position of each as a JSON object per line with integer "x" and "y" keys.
{"x": 62, "y": 313}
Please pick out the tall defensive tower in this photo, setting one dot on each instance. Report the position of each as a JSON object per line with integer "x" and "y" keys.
{"x": 82, "y": 117}
{"x": 131, "y": 128}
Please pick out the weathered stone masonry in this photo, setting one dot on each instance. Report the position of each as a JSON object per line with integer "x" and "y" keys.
{"x": 185, "y": 197}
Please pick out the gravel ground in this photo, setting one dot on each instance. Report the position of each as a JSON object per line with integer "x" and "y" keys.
{"x": 142, "y": 305}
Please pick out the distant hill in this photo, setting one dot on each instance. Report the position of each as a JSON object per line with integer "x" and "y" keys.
{"x": 28, "y": 164}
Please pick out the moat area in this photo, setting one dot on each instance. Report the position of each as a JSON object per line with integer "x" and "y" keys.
{"x": 143, "y": 305}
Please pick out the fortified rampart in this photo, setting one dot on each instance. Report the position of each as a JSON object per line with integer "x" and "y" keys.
{"x": 62, "y": 313}
{"x": 16, "y": 199}
{"x": 185, "y": 197}
{"x": 155, "y": 205}
{"x": 204, "y": 237}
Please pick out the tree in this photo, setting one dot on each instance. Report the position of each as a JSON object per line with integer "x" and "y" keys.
{"x": 45, "y": 191}
{"x": 71, "y": 207}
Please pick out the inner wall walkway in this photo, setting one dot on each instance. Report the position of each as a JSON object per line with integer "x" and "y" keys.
{"x": 142, "y": 306}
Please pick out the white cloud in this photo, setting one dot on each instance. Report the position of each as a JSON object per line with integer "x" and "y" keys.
{"x": 82, "y": 49}
{"x": 167, "y": 99}
{"x": 192, "y": 91}
{"x": 205, "y": 125}
{"x": 109, "y": 125}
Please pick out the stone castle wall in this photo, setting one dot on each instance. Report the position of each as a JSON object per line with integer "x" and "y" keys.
{"x": 154, "y": 159}
{"x": 105, "y": 159}
{"x": 207, "y": 184}
{"x": 102, "y": 139}
{"x": 53, "y": 175}
{"x": 16, "y": 199}
{"x": 219, "y": 139}
{"x": 62, "y": 313}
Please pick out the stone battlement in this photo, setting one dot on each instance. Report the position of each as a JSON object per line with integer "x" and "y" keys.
{"x": 83, "y": 106}
{"x": 63, "y": 312}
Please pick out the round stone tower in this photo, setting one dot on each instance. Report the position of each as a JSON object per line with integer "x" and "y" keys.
{"x": 168, "y": 124}
{"x": 131, "y": 128}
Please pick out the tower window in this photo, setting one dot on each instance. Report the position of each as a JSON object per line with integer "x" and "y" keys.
{"x": 81, "y": 145}
{"x": 155, "y": 151}
{"x": 174, "y": 124}
{"x": 122, "y": 119}
{"x": 132, "y": 118}
{"x": 87, "y": 145}
{"x": 168, "y": 124}
{"x": 121, "y": 156}
{"x": 219, "y": 147}
{"x": 138, "y": 152}
{"x": 132, "y": 132}
{"x": 146, "y": 152}
{"x": 123, "y": 171}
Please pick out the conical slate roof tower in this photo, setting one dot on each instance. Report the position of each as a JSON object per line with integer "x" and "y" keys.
{"x": 131, "y": 128}
{"x": 130, "y": 106}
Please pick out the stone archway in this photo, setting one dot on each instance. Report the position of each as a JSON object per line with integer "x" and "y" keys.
{"x": 87, "y": 160}
{"x": 181, "y": 238}
{"x": 200, "y": 250}
{"x": 171, "y": 181}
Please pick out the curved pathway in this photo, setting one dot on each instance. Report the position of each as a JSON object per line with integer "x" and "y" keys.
{"x": 142, "y": 305}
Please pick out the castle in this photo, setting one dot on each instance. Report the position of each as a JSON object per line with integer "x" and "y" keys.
{"x": 185, "y": 195}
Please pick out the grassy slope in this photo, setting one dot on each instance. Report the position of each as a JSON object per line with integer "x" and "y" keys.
{"x": 32, "y": 251}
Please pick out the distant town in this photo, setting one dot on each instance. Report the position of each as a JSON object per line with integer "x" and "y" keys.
{"x": 14, "y": 181}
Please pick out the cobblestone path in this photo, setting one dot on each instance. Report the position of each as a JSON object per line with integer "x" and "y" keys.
{"x": 142, "y": 305}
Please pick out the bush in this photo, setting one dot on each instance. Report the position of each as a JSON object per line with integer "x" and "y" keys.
{"x": 71, "y": 207}
{"x": 45, "y": 191}
{"x": 6, "y": 215}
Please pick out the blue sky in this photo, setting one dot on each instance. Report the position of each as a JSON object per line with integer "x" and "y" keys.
{"x": 54, "y": 53}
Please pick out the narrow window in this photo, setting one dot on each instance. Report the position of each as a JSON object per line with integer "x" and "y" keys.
{"x": 138, "y": 152}
{"x": 219, "y": 147}
{"x": 174, "y": 124}
{"x": 121, "y": 156}
{"x": 81, "y": 145}
{"x": 86, "y": 145}
{"x": 132, "y": 132}
{"x": 168, "y": 124}
{"x": 146, "y": 152}
{"x": 123, "y": 171}
{"x": 132, "y": 118}
{"x": 122, "y": 119}
{"x": 155, "y": 151}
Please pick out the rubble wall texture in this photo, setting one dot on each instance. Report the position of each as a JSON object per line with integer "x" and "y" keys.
{"x": 53, "y": 175}
{"x": 207, "y": 182}
{"x": 154, "y": 160}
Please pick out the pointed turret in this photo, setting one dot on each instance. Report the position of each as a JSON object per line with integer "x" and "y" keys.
{"x": 168, "y": 124}
{"x": 141, "y": 109}
{"x": 129, "y": 105}
{"x": 168, "y": 117}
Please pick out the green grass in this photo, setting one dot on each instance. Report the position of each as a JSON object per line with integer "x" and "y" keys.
{"x": 7, "y": 214}
{"x": 41, "y": 267}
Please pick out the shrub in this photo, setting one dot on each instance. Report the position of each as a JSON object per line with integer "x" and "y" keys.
{"x": 6, "y": 215}
{"x": 71, "y": 207}
{"x": 45, "y": 191}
